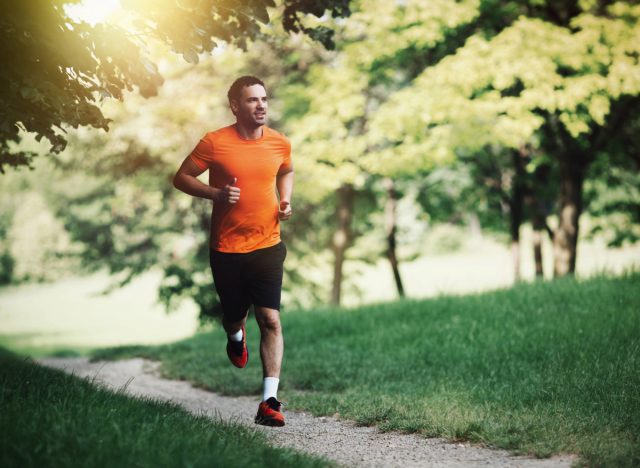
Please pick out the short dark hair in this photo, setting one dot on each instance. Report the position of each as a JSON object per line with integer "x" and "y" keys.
{"x": 235, "y": 91}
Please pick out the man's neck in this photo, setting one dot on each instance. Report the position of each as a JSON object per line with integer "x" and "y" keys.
{"x": 252, "y": 133}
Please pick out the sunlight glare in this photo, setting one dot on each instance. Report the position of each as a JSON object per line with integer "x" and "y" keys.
{"x": 92, "y": 11}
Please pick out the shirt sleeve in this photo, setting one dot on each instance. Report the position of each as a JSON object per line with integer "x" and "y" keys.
{"x": 202, "y": 154}
{"x": 287, "y": 163}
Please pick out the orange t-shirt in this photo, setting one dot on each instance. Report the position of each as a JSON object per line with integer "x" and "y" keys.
{"x": 253, "y": 222}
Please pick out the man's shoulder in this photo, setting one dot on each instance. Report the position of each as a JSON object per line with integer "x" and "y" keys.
{"x": 222, "y": 132}
{"x": 273, "y": 134}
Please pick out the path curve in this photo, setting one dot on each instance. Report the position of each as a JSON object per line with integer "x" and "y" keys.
{"x": 343, "y": 442}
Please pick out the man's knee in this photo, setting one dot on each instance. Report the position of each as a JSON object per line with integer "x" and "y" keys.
{"x": 268, "y": 319}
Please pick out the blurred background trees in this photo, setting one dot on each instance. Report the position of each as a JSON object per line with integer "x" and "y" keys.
{"x": 484, "y": 114}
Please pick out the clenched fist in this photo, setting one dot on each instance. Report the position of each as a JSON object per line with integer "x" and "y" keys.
{"x": 284, "y": 211}
{"x": 229, "y": 193}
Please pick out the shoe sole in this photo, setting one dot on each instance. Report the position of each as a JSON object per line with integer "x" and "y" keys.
{"x": 271, "y": 422}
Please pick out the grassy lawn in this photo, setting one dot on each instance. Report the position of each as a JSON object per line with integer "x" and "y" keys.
{"x": 541, "y": 368}
{"x": 52, "y": 419}
{"x": 71, "y": 316}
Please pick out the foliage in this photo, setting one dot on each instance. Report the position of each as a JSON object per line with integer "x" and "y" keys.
{"x": 341, "y": 95}
{"x": 498, "y": 90}
{"x": 7, "y": 265}
{"x": 611, "y": 192}
{"x": 57, "y": 70}
{"x": 6, "y": 259}
{"x": 436, "y": 95}
{"x": 34, "y": 245}
{"x": 613, "y": 196}
{"x": 557, "y": 81}
{"x": 116, "y": 197}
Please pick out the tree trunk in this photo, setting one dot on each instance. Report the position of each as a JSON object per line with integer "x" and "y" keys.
{"x": 517, "y": 209}
{"x": 342, "y": 237}
{"x": 390, "y": 230}
{"x": 475, "y": 228}
{"x": 539, "y": 215}
{"x": 538, "y": 228}
{"x": 565, "y": 239}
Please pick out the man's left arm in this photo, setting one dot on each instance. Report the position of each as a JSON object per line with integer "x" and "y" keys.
{"x": 284, "y": 184}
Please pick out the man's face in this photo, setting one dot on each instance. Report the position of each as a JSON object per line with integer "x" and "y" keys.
{"x": 251, "y": 108}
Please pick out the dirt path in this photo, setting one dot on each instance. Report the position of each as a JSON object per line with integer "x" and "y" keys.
{"x": 341, "y": 441}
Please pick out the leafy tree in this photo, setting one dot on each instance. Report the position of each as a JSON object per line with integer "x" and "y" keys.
{"x": 612, "y": 190}
{"x": 343, "y": 95}
{"x": 34, "y": 245}
{"x": 114, "y": 192}
{"x": 562, "y": 78}
{"x": 56, "y": 71}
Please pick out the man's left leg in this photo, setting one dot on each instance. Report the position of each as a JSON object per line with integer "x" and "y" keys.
{"x": 271, "y": 351}
{"x": 271, "y": 341}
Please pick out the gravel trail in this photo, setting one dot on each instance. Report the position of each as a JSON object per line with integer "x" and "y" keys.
{"x": 343, "y": 442}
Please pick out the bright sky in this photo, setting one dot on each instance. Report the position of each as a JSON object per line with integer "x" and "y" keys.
{"x": 92, "y": 11}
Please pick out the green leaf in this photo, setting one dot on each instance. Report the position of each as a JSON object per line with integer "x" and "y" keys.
{"x": 261, "y": 14}
{"x": 191, "y": 56}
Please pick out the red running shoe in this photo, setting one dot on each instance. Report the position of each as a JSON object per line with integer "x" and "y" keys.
{"x": 237, "y": 350}
{"x": 269, "y": 413}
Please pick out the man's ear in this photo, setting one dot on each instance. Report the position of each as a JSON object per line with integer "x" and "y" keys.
{"x": 233, "y": 104}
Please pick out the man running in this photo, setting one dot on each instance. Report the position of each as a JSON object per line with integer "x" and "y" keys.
{"x": 247, "y": 162}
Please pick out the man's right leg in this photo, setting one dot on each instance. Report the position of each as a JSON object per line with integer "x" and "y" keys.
{"x": 233, "y": 326}
{"x": 236, "y": 341}
{"x": 227, "y": 270}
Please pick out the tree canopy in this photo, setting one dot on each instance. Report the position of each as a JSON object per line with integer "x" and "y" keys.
{"x": 483, "y": 112}
{"x": 57, "y": 70}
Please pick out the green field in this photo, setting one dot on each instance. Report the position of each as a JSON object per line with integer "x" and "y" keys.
{"x": 71, "y": 316}
{"x": 52, "y": 419}
{"x": 543, "y": 368}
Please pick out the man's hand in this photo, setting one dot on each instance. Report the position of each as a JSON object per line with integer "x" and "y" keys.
{"x": 284, "y": 212}
{"x": 229, "y": 193}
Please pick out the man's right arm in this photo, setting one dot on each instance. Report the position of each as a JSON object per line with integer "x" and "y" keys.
{"x": 186, "y": 181}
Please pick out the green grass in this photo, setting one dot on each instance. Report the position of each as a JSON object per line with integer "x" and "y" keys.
{"x": 541, "y": 368}
{"x": 49, "y": 418}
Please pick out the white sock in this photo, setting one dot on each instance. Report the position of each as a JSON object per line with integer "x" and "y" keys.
{"x": 270, "y": 388}
{"x": 236, "y": 336}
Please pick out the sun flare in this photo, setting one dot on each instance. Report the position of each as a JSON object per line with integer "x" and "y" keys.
{"x": 92, "y": 11}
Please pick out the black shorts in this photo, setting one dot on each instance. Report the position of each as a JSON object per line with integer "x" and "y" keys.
{"x": 242, "y": 279}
